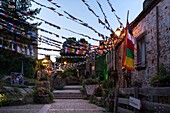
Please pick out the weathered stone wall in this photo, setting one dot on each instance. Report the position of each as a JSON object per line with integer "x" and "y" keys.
{"x": 164, "y": 33}
{"x": 148, "y": 25}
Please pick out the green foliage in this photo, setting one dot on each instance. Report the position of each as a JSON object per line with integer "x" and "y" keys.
{"x": 30, "y": 82}
{"x": 3, "y": 99}
{"x": 90, "y": 81}
{"x": 99, "y": 91}
{"x": 69, "y": 72}
{"x": 82, "y": 90}
{"x": 74, "y": 42}
{"x": 59, "y": 83}
{"x": 12, "y": 62}
{"x": 136, "y": 82}
{"x": 108, "y": 94}
{"x": 20, "y": 5}
{"x": 40, "y": 99}
{"x": 43, "y": 79}
{"x": 101, "y": 66}
{"x": 107, "y": 84}
{"x": 6, "y": 57}
{"x": 28, "y": 63}
{"x": 162, "y": 78}
{"x": 43, "y": 94}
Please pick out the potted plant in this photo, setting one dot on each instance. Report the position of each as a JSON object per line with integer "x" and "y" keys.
{"x": 90, "y": 85}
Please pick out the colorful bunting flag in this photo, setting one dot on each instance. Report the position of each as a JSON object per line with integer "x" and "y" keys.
{"x": 128, "y": 61}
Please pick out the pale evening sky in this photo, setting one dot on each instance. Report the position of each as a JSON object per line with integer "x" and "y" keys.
{"x": 79, "y": 10}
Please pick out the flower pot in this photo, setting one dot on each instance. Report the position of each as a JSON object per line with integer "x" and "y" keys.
{"x": 90, "y": 89}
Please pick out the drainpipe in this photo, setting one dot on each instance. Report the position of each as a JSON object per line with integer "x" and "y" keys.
{"x": 157, "y": 37}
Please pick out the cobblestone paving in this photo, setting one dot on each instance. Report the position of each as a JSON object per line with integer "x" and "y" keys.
{"x": 59, "y": 106}
{"x": 74, "y": 106}
{"x": 21, "y": 109}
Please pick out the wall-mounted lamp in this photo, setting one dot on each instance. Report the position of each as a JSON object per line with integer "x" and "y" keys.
{"x": 65, "y": 62}
{"x": 118, "y": 32}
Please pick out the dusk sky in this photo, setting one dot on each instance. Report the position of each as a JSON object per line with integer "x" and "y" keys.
{"x": 79, "y": 10}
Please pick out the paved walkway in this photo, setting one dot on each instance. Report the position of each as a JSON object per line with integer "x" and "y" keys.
{"x": 59, "y": 106}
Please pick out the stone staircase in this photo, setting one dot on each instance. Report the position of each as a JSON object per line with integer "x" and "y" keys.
{"x": 69, "y": 92}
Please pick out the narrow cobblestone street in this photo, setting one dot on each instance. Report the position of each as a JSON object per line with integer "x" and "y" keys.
{"x": 84, "y": 56}
{"x": 59, "y": 106}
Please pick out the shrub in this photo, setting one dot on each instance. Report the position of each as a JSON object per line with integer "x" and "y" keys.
{"x": 3, "y": 99}
{"x": 162, "y": 78}
{"x": 108, "y": 84}
{"x": 59, "y": 83}
{"x": 90, "y": 81}
{"x": 137, "y": 82}
{"x": 82, "y": 90}
{"x": 98, "y": 91}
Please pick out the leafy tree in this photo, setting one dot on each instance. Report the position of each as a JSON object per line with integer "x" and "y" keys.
{"x": 10, "y": 60}
{"x": 19, "y": 6}
{"x": 72, "y": 42}
{"x": 28, "y": 64}
{"x": 6, "y": 57}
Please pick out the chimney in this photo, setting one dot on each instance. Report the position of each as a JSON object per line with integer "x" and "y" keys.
{"x": 146, "y": 3}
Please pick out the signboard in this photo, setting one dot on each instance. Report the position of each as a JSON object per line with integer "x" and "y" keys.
{"x": 134, "y": 102}
{"x": 17, "y": 78}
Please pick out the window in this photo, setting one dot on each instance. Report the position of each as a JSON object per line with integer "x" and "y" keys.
{"x": 141, "y": 53}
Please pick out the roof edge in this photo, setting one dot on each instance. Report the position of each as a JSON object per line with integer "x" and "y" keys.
{"x": 144, "y": 13}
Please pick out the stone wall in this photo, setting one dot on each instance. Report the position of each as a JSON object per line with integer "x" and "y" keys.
{"x": 148, "y": 25}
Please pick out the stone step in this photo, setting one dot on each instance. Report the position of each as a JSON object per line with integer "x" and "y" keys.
{"x": 72, "y": 87}
{"x": 67, "y": 94}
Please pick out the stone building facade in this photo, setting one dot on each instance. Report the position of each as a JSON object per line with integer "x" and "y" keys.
{"x": 151, "y": 29}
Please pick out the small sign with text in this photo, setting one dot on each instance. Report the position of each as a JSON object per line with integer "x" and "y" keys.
{"x": 134, "y": 102}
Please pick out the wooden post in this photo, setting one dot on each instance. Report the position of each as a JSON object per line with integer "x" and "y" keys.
{"x": 116, "y": 100}
{"x": 136, "y": 89}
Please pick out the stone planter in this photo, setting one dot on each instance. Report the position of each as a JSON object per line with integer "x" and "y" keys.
{"x": 90, "y": 89}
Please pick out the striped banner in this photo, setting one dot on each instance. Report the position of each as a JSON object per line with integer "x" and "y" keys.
{"x": 128, "y": 61}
